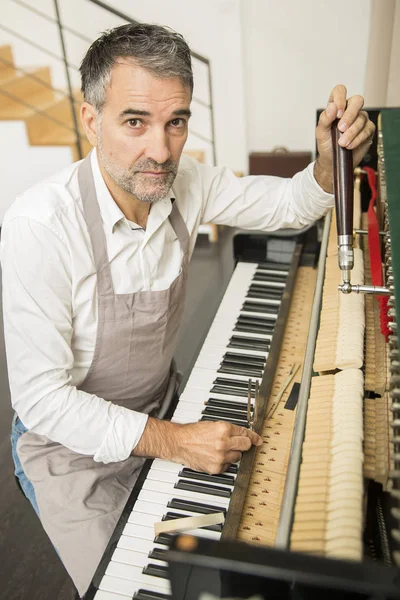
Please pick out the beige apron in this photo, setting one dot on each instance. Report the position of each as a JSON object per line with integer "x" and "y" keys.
{"x": 80, "y": 500}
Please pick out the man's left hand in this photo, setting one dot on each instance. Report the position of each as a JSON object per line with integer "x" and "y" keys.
{"x": 357, "y": 132}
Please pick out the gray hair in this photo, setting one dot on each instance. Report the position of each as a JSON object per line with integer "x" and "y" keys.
{"x": 158, "y": 49}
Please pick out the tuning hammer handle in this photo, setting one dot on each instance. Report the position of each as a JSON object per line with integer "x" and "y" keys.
{"x": 343, "y": 184}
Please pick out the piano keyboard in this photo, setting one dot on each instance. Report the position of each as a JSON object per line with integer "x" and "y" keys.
{"x": 235, "y": 349}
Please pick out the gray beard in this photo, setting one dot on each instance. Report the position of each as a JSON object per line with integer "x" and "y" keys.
{"x": 132, "y": 181}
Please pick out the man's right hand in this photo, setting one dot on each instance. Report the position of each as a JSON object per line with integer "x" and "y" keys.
{"x": 205, "y": 446}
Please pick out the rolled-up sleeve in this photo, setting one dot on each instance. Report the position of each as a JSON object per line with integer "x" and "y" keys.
{"x": 262, "y": 202}
{"x": 38, "y": 326}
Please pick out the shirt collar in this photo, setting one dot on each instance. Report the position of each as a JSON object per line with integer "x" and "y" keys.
{"x": 111, "y": 214}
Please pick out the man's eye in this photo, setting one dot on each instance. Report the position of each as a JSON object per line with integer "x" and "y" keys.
{"x": 178, "y": 123}
{"x": 135, "y": 123}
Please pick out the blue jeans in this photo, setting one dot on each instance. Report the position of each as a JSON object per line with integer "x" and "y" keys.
{"x": 17, "y": 429}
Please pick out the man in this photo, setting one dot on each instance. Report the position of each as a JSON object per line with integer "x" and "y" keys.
{"x": 94, "y": 273}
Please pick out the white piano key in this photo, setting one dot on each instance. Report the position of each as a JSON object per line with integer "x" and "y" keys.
{"x": 103, "y": 595}
{"x": 125, "y": 587}
{"x": 135, "y": 544}
{"x": 166, "y": 465}
{"x": 163, "y": 499}
{"x": 218, "y": 331}
{"x": 261, "y": 315}
{"x": 214, "y": 363}
{"x": 189, "y": 407}
{"x": 147, "y": 533}
{"x": 194, "y": 396}
{"x": 204, "y": 378}
{"x": 145, "y": 520}
{"x": 134, "y": 574}
{"x": 147, "y": 507}
{"x": 216, "y": 352}
{"x": 173, "y": 492}
{"x": 231, "y": 397}
{"x": 210, "y": 348}
{"x": 149, "y": 517}
{"x": 137, "y": 559}
{"x": 166, "y": 476}
{"x": 183, "y": 420}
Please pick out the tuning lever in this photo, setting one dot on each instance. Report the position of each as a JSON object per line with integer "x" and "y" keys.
{"x": 344, "y": 190}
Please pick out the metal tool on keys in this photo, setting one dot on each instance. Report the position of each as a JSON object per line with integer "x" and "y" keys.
{"x": 252, "y": 411}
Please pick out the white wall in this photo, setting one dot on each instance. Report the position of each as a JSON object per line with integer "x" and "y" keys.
{"x": 23, "y": 165}
{"x": 212, "y": 28}
{"x": 295, "y": 52}
{"x": 274, "y": 61}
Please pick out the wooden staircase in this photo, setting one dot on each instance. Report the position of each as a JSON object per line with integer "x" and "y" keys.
{"x": 28, "y": 96}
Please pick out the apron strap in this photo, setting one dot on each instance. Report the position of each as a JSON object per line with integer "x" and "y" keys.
{"x": 180, "y": 228}
{"x": 94, "y": 222}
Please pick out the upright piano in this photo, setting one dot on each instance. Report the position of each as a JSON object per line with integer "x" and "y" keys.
{"x": 316, "y": 509}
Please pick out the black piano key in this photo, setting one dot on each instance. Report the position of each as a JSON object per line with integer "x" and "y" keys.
{"x": 220, "y": 413}
{"x": 233, "y": 421}
{"x": 170, "y": 516}
{"x": 269, "y": 277}
{"x": 249, "y": 344}
{"x": 226, "y": 404}
{"x": 221, "y": 478}
{"x": 232, "y": 469}
{"x": 274, "y": 266}
{"x": 246, "y": 371}
{"x": 262, "y": 294}
{"x": 262, "y": 321}
{"x": 197, "y": 507}
{"x": 242, "y": 365}
{"x": 253, "y": 329}
{"x": 237, "y": 410}
{"x": 203, "y": 488}
{"x": 274, "y": 272}
{"x": 150, "y": 595}
{"x": 217, "y": 389}
{"x": 275, "y": 291}
{"x": 233, "y": 382}
{"x": 243, "y": 357}
{"x": 260, "y": 308}
{"x": 158, "y": 554}
{"x": 273, "y": 282}
{"x": 165, "y": 539}
{"x": 156, "y": 571}
{"x": 250, "y": 340}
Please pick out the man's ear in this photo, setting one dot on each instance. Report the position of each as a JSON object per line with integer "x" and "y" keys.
{"x": 89, "y": 122}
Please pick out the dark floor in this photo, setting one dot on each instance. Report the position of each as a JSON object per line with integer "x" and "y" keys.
{"x": 29, "y": 567}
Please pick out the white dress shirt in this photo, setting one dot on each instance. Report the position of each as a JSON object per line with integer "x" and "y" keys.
{"x": 49, "y": 284}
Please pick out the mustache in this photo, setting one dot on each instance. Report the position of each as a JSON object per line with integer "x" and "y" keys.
{"x": 155, "y": 167}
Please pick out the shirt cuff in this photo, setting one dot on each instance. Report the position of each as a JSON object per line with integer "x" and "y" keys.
{"x": 123, "y": 434}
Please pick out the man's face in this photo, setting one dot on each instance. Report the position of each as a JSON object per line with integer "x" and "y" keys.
{"x": 142, "y": 129}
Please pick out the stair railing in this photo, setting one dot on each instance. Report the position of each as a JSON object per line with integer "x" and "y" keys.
{"x": 210, "y": 141}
